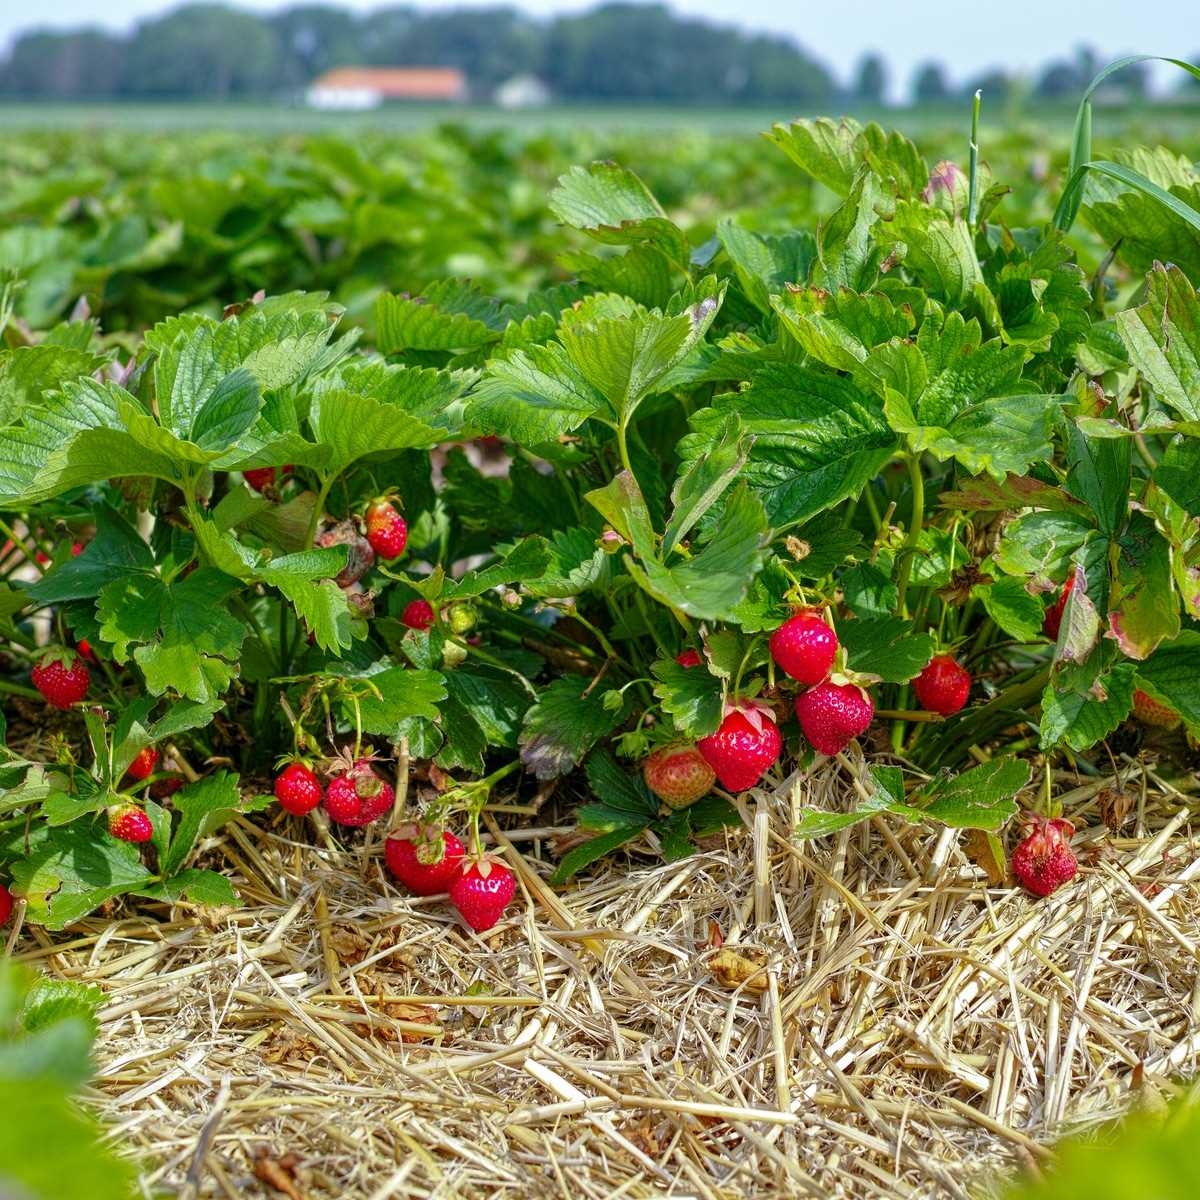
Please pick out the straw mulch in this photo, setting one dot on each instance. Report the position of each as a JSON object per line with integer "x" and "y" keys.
{"x": 912, "y": 1032}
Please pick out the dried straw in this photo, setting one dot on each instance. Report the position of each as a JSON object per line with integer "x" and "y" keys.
{"x": 877, "y": 1023}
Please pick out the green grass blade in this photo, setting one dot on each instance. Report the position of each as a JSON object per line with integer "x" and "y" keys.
{"x": 973, "y": 165}
{"x": 1072, "y": 195}
{"x": 1081, "y": 136}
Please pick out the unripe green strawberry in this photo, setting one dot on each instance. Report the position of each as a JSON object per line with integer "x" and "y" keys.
{"x": 462, "y": 618}
{"x": 678, "y": 775}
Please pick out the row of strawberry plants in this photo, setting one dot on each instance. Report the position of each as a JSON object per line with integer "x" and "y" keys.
{"x": 909, "y": 479}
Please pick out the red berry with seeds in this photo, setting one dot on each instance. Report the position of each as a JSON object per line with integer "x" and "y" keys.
{"x": 943, "y": 686}
{"x": 1044, "y": 860}
{"x": 678, "y": 775}
{"x": 427, "y": 864}
{"x": 1052, "y": 621}
{"x": 481, "y": 899}
{"x": 804, "y": 647}
{"x": 297, "y": 789}
{"x": 832, "y": 715}
{"x": 418, "y": 615}
{"x": 1151, "y": 712}
{"x": 745, "y": 747}
{"x": 130, "y": 824}
{"x": 143, "y": 765}
{"x": 387, "y": 530}
{"x": 6, "y": 904}
{"x": 62, "y": 678}
{"x": 358, "y": 796}
{"x": 689, "y": 658}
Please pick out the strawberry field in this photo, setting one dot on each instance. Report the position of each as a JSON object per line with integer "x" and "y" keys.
{"x": 644, "y": 666}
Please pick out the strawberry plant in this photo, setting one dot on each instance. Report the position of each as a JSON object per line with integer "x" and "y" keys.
{"x": 907, "y": 489}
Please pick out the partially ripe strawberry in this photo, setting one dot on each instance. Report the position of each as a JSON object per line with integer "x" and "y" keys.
{"x": 358, "y": 796}
{"x": 745, "y": 747}
{"x": 129, "y": 823}
{"x": 943, "y": 686}
{"x": 1044, "y": 860}
{"x": 482, "y": 898}
{"x": 832, "y": 715}
{"x": 804, "y": 647}
{"x": 418, "y": 615}
{"x": 678, "y": 775}
{"x": 1052, "y": 621}
{"x": 62, "y": 677}
{"x": 1150, "y": 712}
{"x": 689, "y": 658}
{"x": 143, "y": 765}
{"x": 387, "y": 530}
{"x": 428, "y": 865}
{"x": 297, "y": 789}
{"x": 260, "y": 477}
{"x": 6, "y": 904}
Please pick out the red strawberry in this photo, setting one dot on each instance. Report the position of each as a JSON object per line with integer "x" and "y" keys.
{"x": 943, "y": 686}
{"x": 832, "y": 715}
{"x": 85, "y": 649}
{"x": 689, "y": 658}
{"x": 1151, "y": 712}
{"x": 164, "y": 789}
{"x": 745, "y": 747}
{"x": 481, "y": 893}
{"x": 77, "y": 548}
{"x": 261, "y": 477}
{"x": 358, "y": 796}
{"x": 297, "y": 789}
{"x": 678, "y": 775}
{"x": 6, "y": 904}
{"x": 428, "y": 865}
{"x": 418, "y": 615}
{"x": 387, "y": 530}
{"x": 1044, "y": 860}
{"x": 1052, "y": 621}
{"x": 143, "y": 765}
{"x": 804, "y": 647}
{"x": 129, "y": 823}
{"x": 62, "y": 677}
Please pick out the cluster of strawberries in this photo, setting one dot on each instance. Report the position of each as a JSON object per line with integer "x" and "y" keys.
{"x": 428, "y": 860}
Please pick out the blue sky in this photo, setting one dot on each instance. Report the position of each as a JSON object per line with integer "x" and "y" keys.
{"x": 968, "y": 36}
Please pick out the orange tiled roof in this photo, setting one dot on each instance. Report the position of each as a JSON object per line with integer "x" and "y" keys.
{"x": 401, "y": 83}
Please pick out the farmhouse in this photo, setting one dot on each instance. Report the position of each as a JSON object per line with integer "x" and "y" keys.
{"x": 350, "y": 88}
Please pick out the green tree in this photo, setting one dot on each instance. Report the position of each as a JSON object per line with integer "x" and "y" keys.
{"x": 870, "y": 80}
{"x": 81, "y": 63}
{"x": 314, "y": 37}
{"x": 930, "y": 84}
{"x": 203, "y": 50}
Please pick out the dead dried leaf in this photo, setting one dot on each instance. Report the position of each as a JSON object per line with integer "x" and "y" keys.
{"x": 741, "y": 968}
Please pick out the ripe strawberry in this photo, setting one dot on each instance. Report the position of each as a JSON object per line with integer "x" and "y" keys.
{"x": 416, "y": 863}
{"x": 297, "y": 789}
{"x": 804, "y": 647}
{"x": 77, "y": 548}
{"x": 164, "y": 789}
{"x": 62, "y": 677}
{"x": 129, "y": 823}
{"x": 480, "y": 897}
{"x": 689, "y": 658}
{"x": 260, "y": 477}
{"x": 387, "y": 530}
{"x": 1150, "y": 712}
{"x": 418, "y": 615}
{"x": 1052, "y": 621}
{"x": 943, "y": 686}
{"x": 678, "y": 775}
{"x": 85, "y": 649}
{"x": 6, "y": 904}
{"x": 358, "y": 796}
{"x": 1044, "y": 859}
{"x": 832, "y": 715}
{"x": 745, "y": 747}
{"x": 143, "y": 765}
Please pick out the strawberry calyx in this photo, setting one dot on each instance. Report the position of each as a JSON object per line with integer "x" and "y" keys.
{"x": 755, "y": 712}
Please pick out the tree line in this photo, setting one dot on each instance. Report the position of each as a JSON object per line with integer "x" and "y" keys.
{"x": 617, "y": 51}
